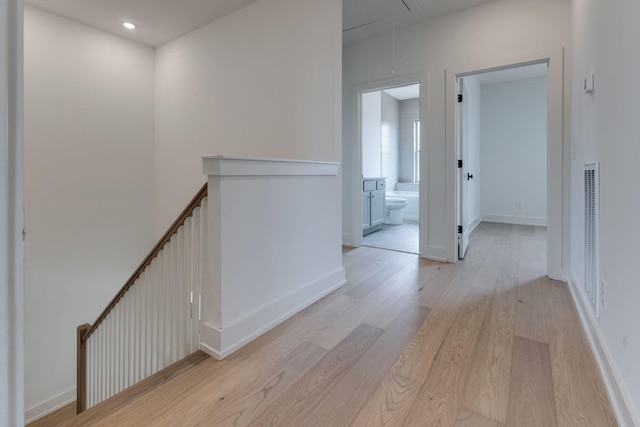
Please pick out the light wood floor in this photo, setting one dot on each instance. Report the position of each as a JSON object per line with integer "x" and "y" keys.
{"x": 487, "y": 342}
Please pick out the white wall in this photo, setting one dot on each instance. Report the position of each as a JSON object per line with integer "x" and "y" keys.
{"x": 261, "y": 82}
{"x": 514, "y": 151}
{"x": 371, "y": 134}
{"x": 265, "y": 268}
{"x": 88, "y": 187}
{"x": 489, "y": 32}
{"x": 473, "y": 116}
{"x": 606, "y": 128}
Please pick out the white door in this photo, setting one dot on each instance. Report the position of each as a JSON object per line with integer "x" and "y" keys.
{"x": 463, "y": 169}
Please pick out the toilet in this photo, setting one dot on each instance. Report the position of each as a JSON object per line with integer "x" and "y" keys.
{"x": 393, "y": 210}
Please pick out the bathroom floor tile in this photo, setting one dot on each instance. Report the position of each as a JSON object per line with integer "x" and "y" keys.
{"x": 403, "y": 238}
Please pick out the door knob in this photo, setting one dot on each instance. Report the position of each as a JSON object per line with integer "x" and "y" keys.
{"x": 469, "y": 176}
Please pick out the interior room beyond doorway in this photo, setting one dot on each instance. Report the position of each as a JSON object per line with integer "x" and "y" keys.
{"x": 503, "y": 147}
{"x": 391, "y": 140}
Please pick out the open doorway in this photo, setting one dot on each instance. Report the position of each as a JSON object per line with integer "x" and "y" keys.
{"x": 502, "y": 142}
{"x": 390, "y": 146}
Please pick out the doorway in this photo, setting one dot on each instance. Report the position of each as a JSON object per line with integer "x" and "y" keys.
{"x": 502, "y": 140}
{"x": 390, "y": 140}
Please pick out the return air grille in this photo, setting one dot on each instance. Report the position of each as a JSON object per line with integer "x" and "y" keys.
{"x": 591, "y": 234}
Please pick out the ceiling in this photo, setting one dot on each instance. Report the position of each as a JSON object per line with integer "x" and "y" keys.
{"x": 364, "y": 18}
{"x": 159, "y": 21}
{"x": 403, "y": 93}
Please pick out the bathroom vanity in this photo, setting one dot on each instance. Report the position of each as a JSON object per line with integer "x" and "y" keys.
{"x": 372, "y": 204}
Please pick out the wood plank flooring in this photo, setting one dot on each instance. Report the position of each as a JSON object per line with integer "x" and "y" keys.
{"x": 489, "y": 341}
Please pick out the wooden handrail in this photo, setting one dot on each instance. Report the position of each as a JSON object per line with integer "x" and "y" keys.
{"x": 186, "y": 213}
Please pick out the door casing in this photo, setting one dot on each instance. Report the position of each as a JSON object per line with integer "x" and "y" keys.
{"x": 558, "y": 153}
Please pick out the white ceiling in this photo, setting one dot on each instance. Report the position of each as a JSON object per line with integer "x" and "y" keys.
{"x": 364, "y": 18}
{"x": 159, "y": 21}
{"x": 404, "y": 92}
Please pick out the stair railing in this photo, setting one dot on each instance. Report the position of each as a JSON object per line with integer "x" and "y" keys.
{"x": 154, "y": 320}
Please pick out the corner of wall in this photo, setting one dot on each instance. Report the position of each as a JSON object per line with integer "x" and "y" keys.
{"x": 50, "y": 405}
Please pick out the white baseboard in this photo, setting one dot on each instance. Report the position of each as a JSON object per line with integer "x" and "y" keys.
{"x": 48, "y": 406}
{"x": 623, "y": 408}
{"x": 346, "y": 240}
{"x": 410, "y": 218}
{"x": 209, "y": 334}
{"x": 475, "y": 223}
{"x": 517, "y": 220}
{"x": 220, "y": 343}
{"x": 436, "y": 254}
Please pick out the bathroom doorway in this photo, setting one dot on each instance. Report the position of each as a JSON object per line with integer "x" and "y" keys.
{"x": 390, "y": 145}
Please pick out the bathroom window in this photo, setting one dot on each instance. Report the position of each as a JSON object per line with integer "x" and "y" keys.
{"x": 416, "y": 151}
{"x": 385, "y": 148}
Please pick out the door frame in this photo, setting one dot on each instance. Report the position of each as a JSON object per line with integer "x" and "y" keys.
{"x": 11, "y": 216}
{"x": 558, "y": 152}
{"x": 355, "y": 178}
{"x": 463, "y": 184}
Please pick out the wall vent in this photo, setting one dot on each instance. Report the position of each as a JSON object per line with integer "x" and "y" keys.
{"x": 592, "y": 235}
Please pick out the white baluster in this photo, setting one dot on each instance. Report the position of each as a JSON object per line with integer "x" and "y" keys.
{"x": 105, "y": 359}
{"x": 185, "y": 291}
{"x": 177, "y": 288}
{"x": 173, "y": 267}
{"x": 160, "y": 312}
{"x": 143, "y": 344}
{"x": 116, "y": 348}
{"x": 179, "y": 285}
{"x": 103, "y": 363}
{"x": 112, "y": 355}
{"x": 88, "y": 373}
{"x": 99, "y": 380}
{"x": 148, "y": 318}
{"x": 134, "y": 354}
{"x": 132, "y": 331}
{"x": 173, "y": 329}
{"x": 166, "y": 318}
{"x": 195, "y": 268}
{"x": 146, "y": 326}
{"x": 151, "y": 312}
{"x": 124, "y": 353}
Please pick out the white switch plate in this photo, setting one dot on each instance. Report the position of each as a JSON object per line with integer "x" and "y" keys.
{"x": 590, "y": 84}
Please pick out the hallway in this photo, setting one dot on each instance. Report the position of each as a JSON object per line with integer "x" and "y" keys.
{"x": 489, "y": 341}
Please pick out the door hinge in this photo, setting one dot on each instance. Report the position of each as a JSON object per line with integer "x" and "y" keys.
{"x": 459, "y": 229}
{"x": 459, "y": 163}
{"x": 459, "y": 97}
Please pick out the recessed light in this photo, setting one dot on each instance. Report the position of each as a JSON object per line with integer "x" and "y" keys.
{"x": 129, "y": 25}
